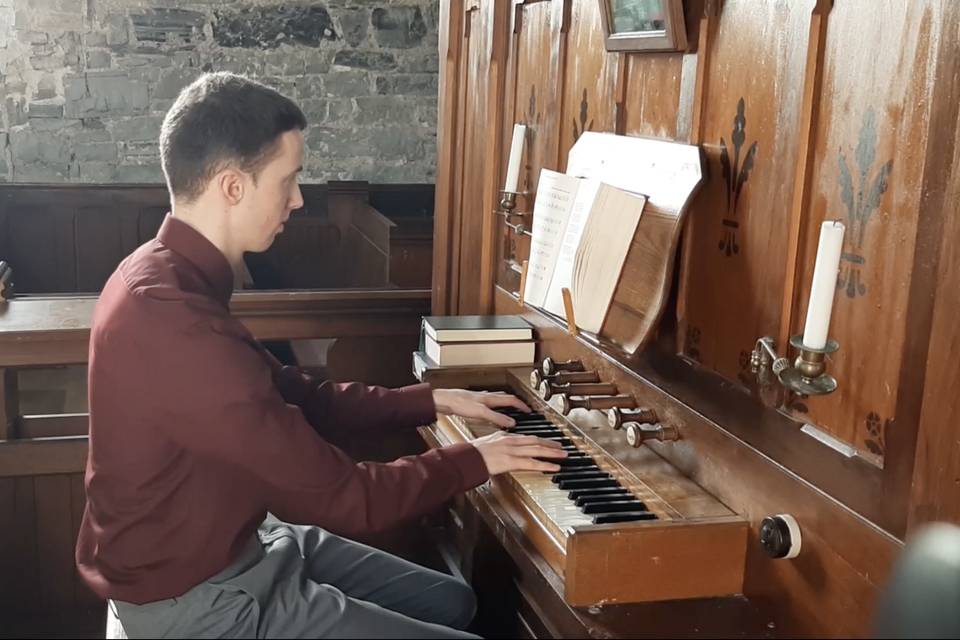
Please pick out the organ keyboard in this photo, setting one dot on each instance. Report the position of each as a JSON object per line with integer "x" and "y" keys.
{"x": 617, "y": 524}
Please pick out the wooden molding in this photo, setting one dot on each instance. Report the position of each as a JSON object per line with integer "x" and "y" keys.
{"x": 43, "y": 456}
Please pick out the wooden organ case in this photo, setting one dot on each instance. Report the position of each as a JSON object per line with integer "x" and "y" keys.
{"x": 798, "y": 120}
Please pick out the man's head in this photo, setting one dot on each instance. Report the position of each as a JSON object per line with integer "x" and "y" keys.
{"x": 233, "y": 147}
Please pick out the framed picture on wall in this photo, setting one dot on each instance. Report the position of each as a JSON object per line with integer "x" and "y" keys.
{"x": 644, "y": 25}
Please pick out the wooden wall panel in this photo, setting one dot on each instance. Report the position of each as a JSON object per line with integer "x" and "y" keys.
{"x": 590, "y": 75}
{"x": 54, "y": 562}
{"x": 482, "y": 58}
{"x": 41, "y": 517}
{"x": 533, "y": 97}
{"x": 51, "y": 233}
{"x": 652, "y": 98}
{"x": 103, "y": 239}
{"x": 733, "y": 266}
{"x": 871, "y": 140}
{"x": 536, "y": 97}
{"x": 936, "y": 478}
{"x": 450, "y": 41}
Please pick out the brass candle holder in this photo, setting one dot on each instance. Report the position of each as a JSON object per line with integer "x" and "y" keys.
{"x": 508, "y": 204}
{"x": 807, "y": 375}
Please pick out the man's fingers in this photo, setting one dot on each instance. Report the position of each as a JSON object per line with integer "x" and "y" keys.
{"x": 536, "y": 447}
{"x": 536, "y": 440}
{"x": 499, "y": 400}
{"x": 523, "y": 463}
{"x": 502, "y": 421}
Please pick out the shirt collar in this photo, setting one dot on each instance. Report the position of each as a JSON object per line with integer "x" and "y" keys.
{"x": 212, "y": 265}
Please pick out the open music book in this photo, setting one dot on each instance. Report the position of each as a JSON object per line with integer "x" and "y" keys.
{"x": 582, "y": 231}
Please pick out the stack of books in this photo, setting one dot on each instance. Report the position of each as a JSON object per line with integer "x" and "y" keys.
{"x": 457, "y": 341}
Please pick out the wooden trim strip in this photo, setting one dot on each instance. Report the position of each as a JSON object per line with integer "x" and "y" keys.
{"x": 43, "y": 456}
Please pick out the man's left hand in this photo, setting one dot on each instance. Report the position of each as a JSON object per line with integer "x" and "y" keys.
{"x": 477, "y": 404}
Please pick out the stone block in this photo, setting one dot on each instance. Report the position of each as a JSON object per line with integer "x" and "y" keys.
{"x": 172, "y": 81}
{"x": 400, "y": 27}
{"x": 267, "y": 27}
{"x": 104, "y": 92}
{"x": 168, "y": 25}
{"x": 139, "y": 173}
{"x": 353, "y": 25}
{"x": 46, "y": 87}
{"x": 378, "y": 60}
{"x": 52, "y": 171}
{"x": 95, "y": 151}
{"x": 346, "y": 84}
{"x": 398, "y": 142}
{"x": 372, "y": 110}
{"x": 97, "y": 171}
{"x": 339, "y": 143}
{"x": 419, "y": 84}
{"x": 30, "y": 147}
{"x": 137, "y": 129}
{"x": 45, "y": 110}
{"x": 95, "y": 39}
{"x": 98, "y": 59}
{"x": 118, "y": 30}
{"x": 16, "y": 110}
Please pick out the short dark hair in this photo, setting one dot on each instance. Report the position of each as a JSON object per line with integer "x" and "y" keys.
{"x": 222, "y": 120}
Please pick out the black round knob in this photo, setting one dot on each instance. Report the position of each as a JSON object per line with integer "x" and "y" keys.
{"x": 780, "y": 536}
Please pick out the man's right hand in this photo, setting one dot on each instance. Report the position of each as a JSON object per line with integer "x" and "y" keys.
{"x": 503, "y": 452}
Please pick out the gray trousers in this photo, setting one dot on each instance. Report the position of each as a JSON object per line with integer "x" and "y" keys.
{"x": 303, "y": 582}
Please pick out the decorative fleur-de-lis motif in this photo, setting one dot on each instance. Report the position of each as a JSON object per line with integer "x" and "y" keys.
{"x": 861, "y": 205}
{"x": 533, "y": 116}
{"x": 877, "y": 432}
{"x": 736, "y": 176}
{"x": 584, "y": 113}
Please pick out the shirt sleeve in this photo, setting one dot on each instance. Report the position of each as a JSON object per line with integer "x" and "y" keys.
{"x": 346, "y": 407}
{"x": 237, "y": 416}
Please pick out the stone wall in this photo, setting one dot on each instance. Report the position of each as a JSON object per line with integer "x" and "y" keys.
{"x": 85, "y": 83}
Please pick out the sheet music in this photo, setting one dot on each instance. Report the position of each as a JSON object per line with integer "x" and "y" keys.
{"x": 599, "y": 259}
{"x": 563, "y": 271}
{"x": 666, "y": 172}
{"x": 556, "y": 193}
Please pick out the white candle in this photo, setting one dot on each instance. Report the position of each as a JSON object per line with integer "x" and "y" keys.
{"x": 516, "y": 153}
{"x": 824, "y": 284}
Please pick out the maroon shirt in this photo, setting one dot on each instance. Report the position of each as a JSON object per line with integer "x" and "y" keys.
{"x": 196, "y": 432}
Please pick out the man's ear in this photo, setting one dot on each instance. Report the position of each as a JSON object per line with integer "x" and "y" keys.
{"x": 230, "y": 183}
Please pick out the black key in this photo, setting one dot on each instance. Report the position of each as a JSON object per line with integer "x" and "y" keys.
{"x": 630, "y": 516}
{"x": 526, "y": 417}
{"x": 574, "y": 453}
{"x": 610, "y": 494}
{"x": 619, "y": 506}
{"x": 590, "y": 474}
{"x": 577, "y": 462}
{"x": 592, "y": 483}
{"x": 569, "y": 464}
{"x": 514, "y": 410}
{"x": 539, "y": 431}
{"x": 562, "y": 440}
{"x": 593, "y": 491}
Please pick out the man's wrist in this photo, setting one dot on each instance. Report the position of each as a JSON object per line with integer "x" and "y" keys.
{"x": 440, "y": 401}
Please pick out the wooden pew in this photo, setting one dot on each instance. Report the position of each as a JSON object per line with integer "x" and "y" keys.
{"x": 55, "y": 331}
